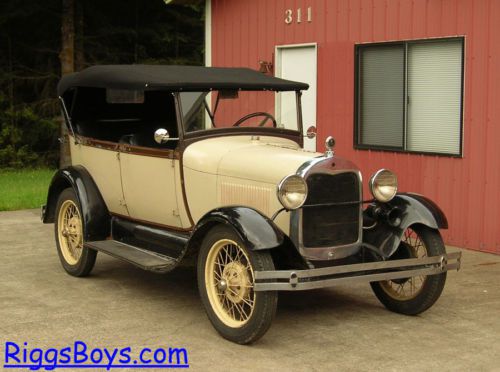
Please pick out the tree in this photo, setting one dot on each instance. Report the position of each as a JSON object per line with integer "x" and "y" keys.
{"x": 42, "y": 40}
{"x": 67, "y": 58}
{"x": 28, "y": 55}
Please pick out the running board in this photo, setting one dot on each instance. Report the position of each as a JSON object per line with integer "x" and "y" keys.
{"x": 296, "y": 280}
{"x": 142, "y": 258}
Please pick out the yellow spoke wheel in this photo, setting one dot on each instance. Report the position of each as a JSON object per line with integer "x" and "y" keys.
{"x": 408, "y": 288}
{"x": 229, "y": 277}
{"x": 413, "y": 295}
{"x": 69, "y": 233}
{"x": 226, "y": 279}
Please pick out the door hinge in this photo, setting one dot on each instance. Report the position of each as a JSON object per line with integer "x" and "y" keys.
{"x": 175, "y": 212}
{"x": 122, "y": 203}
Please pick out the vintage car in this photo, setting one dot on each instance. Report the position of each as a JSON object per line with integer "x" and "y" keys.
{"x": 173, "y": 162}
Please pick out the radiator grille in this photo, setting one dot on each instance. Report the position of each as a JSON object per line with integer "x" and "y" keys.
{"x": 331, "y": 225}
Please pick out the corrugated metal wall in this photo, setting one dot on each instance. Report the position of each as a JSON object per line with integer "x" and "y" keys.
{"x": 468, "y": 188}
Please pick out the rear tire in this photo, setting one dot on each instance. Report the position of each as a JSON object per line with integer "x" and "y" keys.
{"x": 412, "y": 296}
{"x": 225, "y": 282}
{"x": 69, "y": 233}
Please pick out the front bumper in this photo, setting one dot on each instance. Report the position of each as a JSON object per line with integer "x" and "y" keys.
{"x": 297, "y": 280}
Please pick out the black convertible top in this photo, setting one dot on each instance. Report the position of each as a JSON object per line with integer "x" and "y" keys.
{"x": 174, "y": 78}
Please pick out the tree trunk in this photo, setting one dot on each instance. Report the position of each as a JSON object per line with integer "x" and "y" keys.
{"x": 67, "y": 58}
{"x": 79, "y": 36}
{"x": 11, "y": 74}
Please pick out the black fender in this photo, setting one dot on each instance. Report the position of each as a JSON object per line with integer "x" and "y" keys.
{"x": 95, "y": 214}
{"x": 385, "y": 223}
{"x": 255, "y": 230}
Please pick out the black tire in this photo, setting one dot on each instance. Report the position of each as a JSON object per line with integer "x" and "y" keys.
{"x": 75, "y": 259}
{"x": 219, "y": 301}
{"x": 431, "y": 287}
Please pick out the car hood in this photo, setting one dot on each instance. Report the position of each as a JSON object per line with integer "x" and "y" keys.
{"x": 263, "y": 159}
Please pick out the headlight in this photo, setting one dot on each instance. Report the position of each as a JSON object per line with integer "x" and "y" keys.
{"x": 384, "y": 185}
{"x": 292, "y": 192}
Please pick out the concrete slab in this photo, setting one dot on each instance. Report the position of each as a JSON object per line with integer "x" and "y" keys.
{"x": 344, "y": 328}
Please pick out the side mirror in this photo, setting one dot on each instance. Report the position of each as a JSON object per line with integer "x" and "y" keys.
{"x": 311, "y": 132}
{"x": 161, "y": 136}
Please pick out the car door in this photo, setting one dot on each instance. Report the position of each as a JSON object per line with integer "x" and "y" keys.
{"x": 102, "y": 161}
{"x": 150, "y": 171}
{"x": 149, "y": 185}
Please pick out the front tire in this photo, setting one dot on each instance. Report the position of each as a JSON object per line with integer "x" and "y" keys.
{"x": 225, "y": 282}
{"x": 75, "y": 258}
{"x": 412, "y": 296}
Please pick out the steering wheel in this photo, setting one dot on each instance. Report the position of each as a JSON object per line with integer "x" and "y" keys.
{"x": 266, "y": 115}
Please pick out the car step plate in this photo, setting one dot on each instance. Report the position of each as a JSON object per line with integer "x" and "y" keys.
{"x": 142, "y": 258}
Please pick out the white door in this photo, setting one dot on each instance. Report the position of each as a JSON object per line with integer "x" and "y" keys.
{"x": 299, "y": 63}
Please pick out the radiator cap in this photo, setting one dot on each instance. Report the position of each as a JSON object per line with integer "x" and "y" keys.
{"x": 329, "y": 144}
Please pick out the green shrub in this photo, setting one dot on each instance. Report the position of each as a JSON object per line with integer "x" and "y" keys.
{"x": 26, "y": 139}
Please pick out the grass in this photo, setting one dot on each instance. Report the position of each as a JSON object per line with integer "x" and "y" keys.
{"x": 24, "y": 188}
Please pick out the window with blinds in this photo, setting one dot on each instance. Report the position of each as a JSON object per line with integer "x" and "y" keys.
{"x": 409, "y": 96}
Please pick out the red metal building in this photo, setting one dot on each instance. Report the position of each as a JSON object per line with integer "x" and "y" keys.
{"x": 438, "y": 59}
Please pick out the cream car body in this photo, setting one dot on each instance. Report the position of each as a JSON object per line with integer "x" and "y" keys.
{"x": 240, "y": 170}
{"x": 173, "y": 162}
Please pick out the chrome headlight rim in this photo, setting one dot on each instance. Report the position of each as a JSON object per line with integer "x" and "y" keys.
{"x": 380, "y": 179}
{"x": 281, "y": 187}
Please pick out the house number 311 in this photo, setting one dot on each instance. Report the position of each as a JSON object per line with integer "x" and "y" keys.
{"x": 289, "y": 16}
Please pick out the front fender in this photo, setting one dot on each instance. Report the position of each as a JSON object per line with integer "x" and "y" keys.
{"x": 385, "y": 235}
{"x": 95, "y": 215}
{"x": 254, "y": 229}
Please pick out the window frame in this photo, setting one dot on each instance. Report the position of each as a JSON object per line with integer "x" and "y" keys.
{"x": 358, "y": 95}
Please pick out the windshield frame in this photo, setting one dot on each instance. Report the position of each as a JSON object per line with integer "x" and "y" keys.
{"x": 295, "y": 135}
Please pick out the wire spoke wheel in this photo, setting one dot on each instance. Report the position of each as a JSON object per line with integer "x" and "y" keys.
{"x": 226, "y": 278}
{"x": 408, "y": 288}
{"x": 70, "y": 232}
{"x": 75, "y": 258}
{"x": 229, "y": 277}
{"x": 413, "y": 295}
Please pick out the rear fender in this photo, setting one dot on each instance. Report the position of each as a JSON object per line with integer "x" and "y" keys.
{"x": 95, "y": 214}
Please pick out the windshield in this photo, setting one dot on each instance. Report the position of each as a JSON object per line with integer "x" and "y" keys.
{"x": 223, "y": 109}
